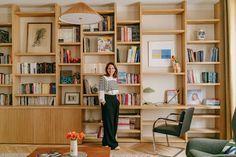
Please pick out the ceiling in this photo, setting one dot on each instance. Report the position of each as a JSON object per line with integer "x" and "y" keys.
{"x": 93, "y": 2}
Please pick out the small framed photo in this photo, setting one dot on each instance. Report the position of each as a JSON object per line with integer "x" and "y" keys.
{"x": 39, "y": 37}
{"x": 172, "y": 96}
{"x": 194, "y": 96}
{"x": 72, "y": 98}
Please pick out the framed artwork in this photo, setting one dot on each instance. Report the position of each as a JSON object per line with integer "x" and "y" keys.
{"x": 160, "y": 52}
{"x": 71, "y": 98}
{"x": 194, "y": 96}
{"x": 172, "y": 96}
{"x": 39, "y": 37}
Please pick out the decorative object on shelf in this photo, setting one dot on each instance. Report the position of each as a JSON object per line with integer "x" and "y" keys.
{"x": 73, "y": 137}
{"x": 80, "y": 13}
{"x": 71, "y": 98}
{"x": 39, "y": 37}
{"x": 76, "y": 77}
{"x": 172, "y": 96}
{"x": 94, "y": 89}
{"x": 148, "y": 90}
{"x": 4, "y": 36}
{"x": 194, "y": 96}
{"x": 201, "y": 34}
{"x": 175, "y": 65}
{"x": 160, "y": 53}
{"x": 66, "y": 77}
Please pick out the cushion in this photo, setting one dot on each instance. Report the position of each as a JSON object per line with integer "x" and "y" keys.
{"x": 230, "y": 148}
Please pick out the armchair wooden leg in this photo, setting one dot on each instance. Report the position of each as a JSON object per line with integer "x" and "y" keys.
{"x": 154, "y": 142}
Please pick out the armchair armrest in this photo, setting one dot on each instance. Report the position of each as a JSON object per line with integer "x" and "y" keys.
{"x": 165, "y": 119}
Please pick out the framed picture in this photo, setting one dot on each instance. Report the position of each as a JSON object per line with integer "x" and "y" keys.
{"x": 39, "y": 37}
{"x": 160, "y": 52}
{"x": 71, "y": 98}
{"x": 172, "y": 96}
{"x": 194, "y": 96}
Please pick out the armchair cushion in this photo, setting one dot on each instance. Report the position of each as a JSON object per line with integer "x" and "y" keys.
{"x": 230, "y": 148}
{"x": 169, "y": 129}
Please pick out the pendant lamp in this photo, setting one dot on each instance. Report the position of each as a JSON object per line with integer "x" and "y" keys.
{"x": 80, "y": 13}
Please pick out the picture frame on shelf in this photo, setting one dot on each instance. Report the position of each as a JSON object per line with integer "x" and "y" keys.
{"x": 72, "y": 98}
{"x": 194, "y": 97}
{"x": 172, "y": 96}
{"x": 160, "y": 52}
{"x": 39, "y": 37}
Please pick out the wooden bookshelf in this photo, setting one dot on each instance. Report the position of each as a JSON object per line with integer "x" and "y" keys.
{"x": 163, "y": 12}
{"x": 162, "y": 32}
{"x": 203, "y": 21}
{"x": 36, "y": 14}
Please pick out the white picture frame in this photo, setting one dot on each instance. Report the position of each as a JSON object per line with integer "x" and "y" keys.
{"x": 160, "y": 52}
{"x": 194, "y": 96}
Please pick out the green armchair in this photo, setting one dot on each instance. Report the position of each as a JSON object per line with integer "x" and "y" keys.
{"x": 203, "y": 147}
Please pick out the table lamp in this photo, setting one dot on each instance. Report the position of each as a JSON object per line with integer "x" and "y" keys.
{"x": 148, "y": 90}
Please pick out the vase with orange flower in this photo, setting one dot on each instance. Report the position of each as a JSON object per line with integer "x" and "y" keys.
{"x": 74, "y": 137}
{"x": 175, "y": 65}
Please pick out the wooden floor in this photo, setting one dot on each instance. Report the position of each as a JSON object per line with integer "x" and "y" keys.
{"x": 126, "y": 149}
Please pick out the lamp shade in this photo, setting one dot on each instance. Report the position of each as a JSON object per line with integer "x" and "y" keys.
{"x": 148, "y": 90}
{"x": 80, "y": 13}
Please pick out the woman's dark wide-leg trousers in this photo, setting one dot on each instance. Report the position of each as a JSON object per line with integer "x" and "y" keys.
{"x": 110, "y": 113}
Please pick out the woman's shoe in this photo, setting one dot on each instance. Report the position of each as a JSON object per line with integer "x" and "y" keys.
{"x": 117, "y": 148}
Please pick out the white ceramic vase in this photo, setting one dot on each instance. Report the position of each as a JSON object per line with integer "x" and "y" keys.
{"x": 73, "y": 148}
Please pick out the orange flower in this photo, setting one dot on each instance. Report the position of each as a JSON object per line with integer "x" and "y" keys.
{"x": 174, "y": 60}
{"x": 74, "y": 135}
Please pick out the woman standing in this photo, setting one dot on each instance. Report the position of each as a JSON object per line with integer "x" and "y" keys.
{"x": 108, "y": 89}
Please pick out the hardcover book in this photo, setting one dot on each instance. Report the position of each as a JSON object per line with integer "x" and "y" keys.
{"x": 105, "y": 44}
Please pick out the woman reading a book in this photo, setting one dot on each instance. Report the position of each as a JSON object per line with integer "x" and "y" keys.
{"x": 108, "y": 89}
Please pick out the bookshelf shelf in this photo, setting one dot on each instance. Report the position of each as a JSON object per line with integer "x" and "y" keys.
{"x": 163, "y": 106}
{"x": 5, "y": 65}
{"x": 90, "y": 94}
{"x": 69, "y": 85}
{"x": 92, "y": 74}
{"x": 203, "y": 21}
{"x": 35, "y": 95}
{"x": 128, "y": 22}
{"x": 69, "y": 44}
{"x": 203, "y": 130}
{"x": 98, "y": 53}
{"x": 128, "y": 43}
{"x": 128, "y": 64}
{"x": 132, "y": 131}
{"x": 129, "y": 116}
{"x": 69, "y": 64}
{"x": 36, "y": 14}
{"x": 203, "y": 84}
{"x": 35, "y": 54}
{"x": 163, "y": 73}
{"x": 5, "y": 24}
{"x": 204, "y": 107}
{"x": 5, "y": 44}
{"x": 162, "y": 32}
{"x": 163, "y": 12}
{"x": 130, "y": 107}
{"x": 128, "y": 85}
{"x": 100, "y": 33}
{"x": 105, "y": 11}
{"x": 203, "y": 63}
{"x": 206, "y": 116}
{"x": 5, "y": 85}
{"x": 34, "y": 75}
{"x": 203, "y": 42}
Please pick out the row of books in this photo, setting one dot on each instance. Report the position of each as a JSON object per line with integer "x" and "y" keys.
{"x": 27, "y": 100}
{"x": 5, "y": 78}
{"x": 128, "y": 78}
{"x": 37, "y": 88}
{"x": 198, "y": 56}
{"x": 214, "y": 54}
{"x": 91, "y": 101}
{"x": 128, "y": 33}
{"x": 65, "y": 56}
{"x": 211, "y": 102}
{"x": 133, "y": 55}
{"x": 126, "y": 123}
{"x": 209, "y": 77}
{"x": 69, "y": 34}
{"x": 129, "y": 99}
{"x": 195, "y": 76}
{"x": 36, "y": 68}
{"x": 5, "y": 99}
{"x": 107, "y": 24}
{"x": 104, "y": 44}
{"x": 5, "y": 58}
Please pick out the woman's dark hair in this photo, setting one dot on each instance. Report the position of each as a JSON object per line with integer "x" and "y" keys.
{"x": 116, "y": 70}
